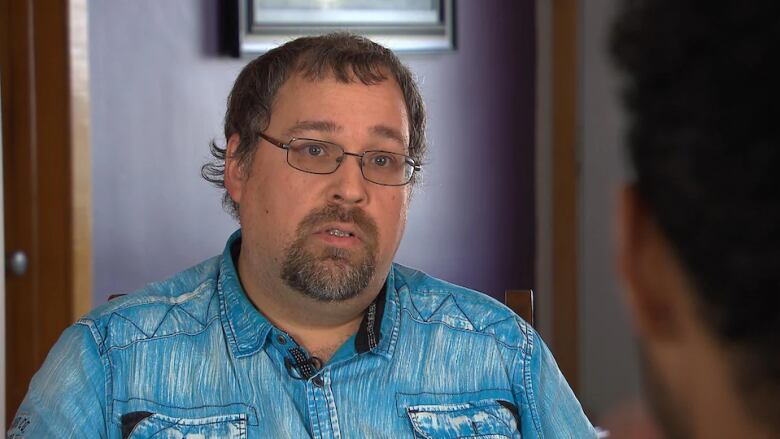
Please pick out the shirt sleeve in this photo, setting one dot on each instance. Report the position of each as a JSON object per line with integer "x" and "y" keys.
{"x": 549, "y": 407}
{"x": 67, "y": 396}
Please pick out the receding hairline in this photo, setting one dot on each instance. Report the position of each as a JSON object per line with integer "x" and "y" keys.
{"x": 327, "y": 125}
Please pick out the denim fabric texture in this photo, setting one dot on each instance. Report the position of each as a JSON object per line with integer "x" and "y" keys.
{"x": 191, "y": 357}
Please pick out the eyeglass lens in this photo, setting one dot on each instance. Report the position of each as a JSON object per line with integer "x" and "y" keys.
{"x": 318, "y": 157}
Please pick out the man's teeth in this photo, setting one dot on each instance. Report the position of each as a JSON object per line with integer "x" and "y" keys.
{"x": 339, "y": 233}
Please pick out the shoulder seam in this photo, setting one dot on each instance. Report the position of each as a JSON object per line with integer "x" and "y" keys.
{"x": 470, "y": 331}
{"x": 135, "y": 300}
{"x": 160, "y": 337}
{"x": 451, "y": 297}
{"x": 528, "y": 380}
{"x": 107, "y": 372}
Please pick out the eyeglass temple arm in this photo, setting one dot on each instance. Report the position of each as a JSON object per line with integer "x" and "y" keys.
{"x": 273, "y": 141}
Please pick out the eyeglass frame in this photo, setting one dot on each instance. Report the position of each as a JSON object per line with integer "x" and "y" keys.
{"x": 286, "y": 147}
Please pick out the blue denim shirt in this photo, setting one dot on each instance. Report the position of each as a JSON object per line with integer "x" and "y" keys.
{"x": 192, "y": 357}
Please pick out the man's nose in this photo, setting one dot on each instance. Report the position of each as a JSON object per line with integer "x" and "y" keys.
{"x": 349, "y": 186}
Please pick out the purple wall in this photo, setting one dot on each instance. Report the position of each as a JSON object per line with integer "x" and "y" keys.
{"x": 158, "y": 96}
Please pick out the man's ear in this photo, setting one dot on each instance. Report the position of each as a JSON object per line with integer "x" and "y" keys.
{"x": 234, "y": 174}
{"x": 653, "y": 280}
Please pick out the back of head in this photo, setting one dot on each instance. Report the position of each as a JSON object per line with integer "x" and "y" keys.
{"x": 344, "y": 56}
{"x": 703, "y": 91}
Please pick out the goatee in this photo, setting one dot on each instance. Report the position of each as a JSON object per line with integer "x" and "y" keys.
{"x": 333, "y": 274}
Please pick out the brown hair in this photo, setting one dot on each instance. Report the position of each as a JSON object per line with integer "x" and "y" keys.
{"x": 346, "y": 56}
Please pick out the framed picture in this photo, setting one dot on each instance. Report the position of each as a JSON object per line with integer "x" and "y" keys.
{"x": 401, "y": 25}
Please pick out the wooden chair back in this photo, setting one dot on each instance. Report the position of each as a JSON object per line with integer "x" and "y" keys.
{"x": 522, "y": 303}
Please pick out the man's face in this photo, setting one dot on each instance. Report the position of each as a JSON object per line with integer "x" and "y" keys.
{"x": 328, "y": 236}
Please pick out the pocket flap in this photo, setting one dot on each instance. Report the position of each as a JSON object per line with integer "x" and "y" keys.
{"x": 229, "y": 426}
{"x": 484, "y": 419}
{"x": 137, "y": 417}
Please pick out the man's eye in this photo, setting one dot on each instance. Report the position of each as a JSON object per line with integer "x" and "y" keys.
{"x": 382, "y": 160}
{"x": 314, "y": 150}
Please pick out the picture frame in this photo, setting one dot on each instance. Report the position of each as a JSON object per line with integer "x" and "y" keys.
{"x": 257, "y": 26}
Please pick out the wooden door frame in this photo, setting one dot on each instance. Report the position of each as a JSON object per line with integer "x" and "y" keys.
{"x": 47, "y": 178}
{"x": 564, "y": 188}
{"x": 2, "y": 281}
{"x": 556, "y": 182}
{"x": 81, "y": 157}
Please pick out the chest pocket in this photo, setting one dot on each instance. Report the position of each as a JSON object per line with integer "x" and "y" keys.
{"x": 482, "y": 419}
{"x": 145, "y": 425}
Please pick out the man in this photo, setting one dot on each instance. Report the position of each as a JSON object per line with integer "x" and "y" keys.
{"x": 304, "y": 327}
{"x": 700, "y": 241}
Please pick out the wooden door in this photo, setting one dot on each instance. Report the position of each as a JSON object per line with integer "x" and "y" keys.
{"x": 46, "y": 179}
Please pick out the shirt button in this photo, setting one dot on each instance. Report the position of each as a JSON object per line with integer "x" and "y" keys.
{"x": 280, "y": 338}
{"x": 317, "y": 381}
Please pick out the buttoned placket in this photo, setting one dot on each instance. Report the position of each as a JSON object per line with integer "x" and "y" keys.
{"x": 320, "y": 402}
{"x": 323, "y": 414}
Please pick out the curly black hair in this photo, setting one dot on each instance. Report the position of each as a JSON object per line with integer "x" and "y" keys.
{"x": 346, "y": 56}
{"x": 703, "y": 93}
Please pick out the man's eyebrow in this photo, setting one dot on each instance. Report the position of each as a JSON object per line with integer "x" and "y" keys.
{"x": 325, "y": 126}
{"x": 388, "y": 132}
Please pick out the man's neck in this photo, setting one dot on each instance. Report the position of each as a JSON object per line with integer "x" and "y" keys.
{"x": 710, "y": 396}
{"x": 320, "y": 327}
{"x": 719, "y": 406}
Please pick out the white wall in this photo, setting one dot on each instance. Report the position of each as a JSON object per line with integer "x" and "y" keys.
{"x": 608, "y": 357}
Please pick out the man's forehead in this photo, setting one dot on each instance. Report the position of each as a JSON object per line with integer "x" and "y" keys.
{"x": 330, "y": 126}
{"x": 298, "y": 82}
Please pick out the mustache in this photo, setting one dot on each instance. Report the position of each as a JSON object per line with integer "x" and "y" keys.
{"x": 335, "y": 213}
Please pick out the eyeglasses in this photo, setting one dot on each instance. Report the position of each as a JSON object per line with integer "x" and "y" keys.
{"x": 321, "y": 157}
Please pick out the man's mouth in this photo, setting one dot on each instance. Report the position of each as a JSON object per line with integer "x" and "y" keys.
{"x": 339, "y": 233}
{"x": 340, "y": 230}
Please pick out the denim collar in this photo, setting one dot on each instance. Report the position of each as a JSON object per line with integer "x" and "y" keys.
{"x": 247, "y": 329}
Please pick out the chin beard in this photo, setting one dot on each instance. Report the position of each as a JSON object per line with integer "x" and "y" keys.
{"x": 335, "y": 274}
{"x": 331, "y": 277}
